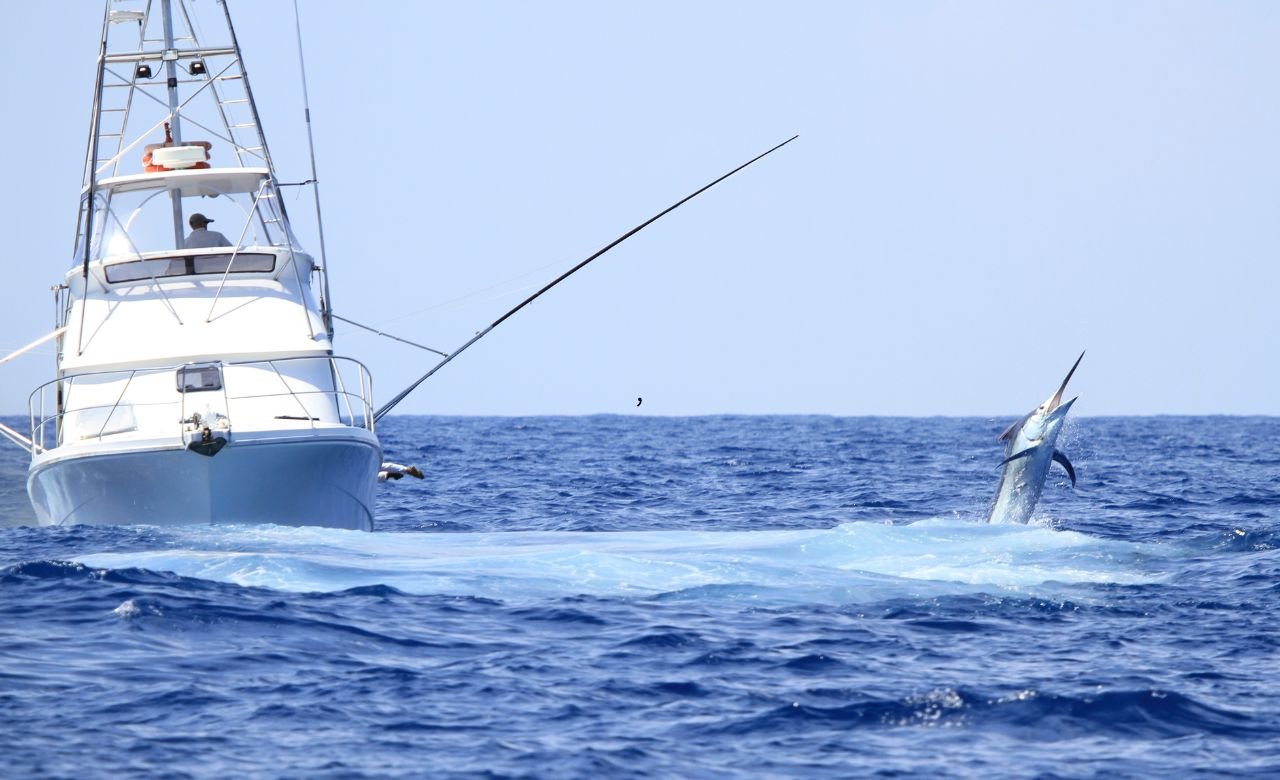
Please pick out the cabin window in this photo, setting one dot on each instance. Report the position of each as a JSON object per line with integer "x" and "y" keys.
{"x": 191, "y": 265}
{"x": 193, "y": 379}
{"x": 243, "y": 264}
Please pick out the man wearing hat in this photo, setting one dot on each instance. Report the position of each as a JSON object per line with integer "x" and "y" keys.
{"x": 201, "y": 236}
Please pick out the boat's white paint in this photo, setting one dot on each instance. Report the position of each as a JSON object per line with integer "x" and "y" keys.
{"x": 298, "y": 477}
{"x": 175, "y": 319}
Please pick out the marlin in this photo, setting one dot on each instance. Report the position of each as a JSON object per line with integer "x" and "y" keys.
{"x": 1031, "y": 447}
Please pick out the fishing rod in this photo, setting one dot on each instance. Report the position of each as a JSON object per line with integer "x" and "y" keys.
{"x": 378, "y": 415}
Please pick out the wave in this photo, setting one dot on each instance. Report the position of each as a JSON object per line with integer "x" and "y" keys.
{"x": 1027, "y": 714}
{"x": 855, "y": 562}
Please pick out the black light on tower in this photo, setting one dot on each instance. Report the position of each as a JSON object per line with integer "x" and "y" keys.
{"x": 197, "y": 68}
{"x": 143, "y": 71}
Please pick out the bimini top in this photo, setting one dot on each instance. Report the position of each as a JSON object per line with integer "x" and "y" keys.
{"x": 139, "y": 214}
{"x": 196, "y": 182}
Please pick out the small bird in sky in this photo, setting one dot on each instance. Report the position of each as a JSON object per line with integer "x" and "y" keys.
{"x": 639, "y": 401}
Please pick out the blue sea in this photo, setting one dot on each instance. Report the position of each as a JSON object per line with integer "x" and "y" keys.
{"x": 708, "y": 597}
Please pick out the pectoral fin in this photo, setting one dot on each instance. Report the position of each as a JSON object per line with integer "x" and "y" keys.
{"x": 1061, "y": 460}
{"x": 1025, "y": 453}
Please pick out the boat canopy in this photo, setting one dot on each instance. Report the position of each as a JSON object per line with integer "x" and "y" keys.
{"x": 206, "y": 182}
{"x": 135, "y": 215}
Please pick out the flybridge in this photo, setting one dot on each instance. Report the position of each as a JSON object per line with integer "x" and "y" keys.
{"x": 134, "y": 214}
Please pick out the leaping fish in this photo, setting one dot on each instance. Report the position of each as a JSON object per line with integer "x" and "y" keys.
{"x": 1031, "y": 446}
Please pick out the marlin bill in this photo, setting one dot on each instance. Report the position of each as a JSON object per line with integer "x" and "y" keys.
{"x": 1030, "y": 449}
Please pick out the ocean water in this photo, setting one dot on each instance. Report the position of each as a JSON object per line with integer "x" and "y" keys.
{"x": 719, "y": 597}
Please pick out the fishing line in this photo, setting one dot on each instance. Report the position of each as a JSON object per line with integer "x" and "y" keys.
{"x": 503, "y": 293}
{"x": 405, "y": 393}
{"x": 446, "y": 306}
{"x": 388, "y": 335}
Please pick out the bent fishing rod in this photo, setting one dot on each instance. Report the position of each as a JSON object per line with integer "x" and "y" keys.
{"x": 378, "y": 415}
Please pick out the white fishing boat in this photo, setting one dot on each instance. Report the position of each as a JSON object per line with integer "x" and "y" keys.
{"x": 196, "y": 379}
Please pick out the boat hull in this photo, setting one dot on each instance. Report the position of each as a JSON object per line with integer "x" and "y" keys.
{"x": 320, "y": 479}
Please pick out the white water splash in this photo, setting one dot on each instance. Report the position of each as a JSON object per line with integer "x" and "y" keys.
{"x": 131, "y": 609}
{"x": 856, "y": 562}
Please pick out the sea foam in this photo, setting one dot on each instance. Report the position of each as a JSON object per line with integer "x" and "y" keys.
{"x": 848, "y": 563}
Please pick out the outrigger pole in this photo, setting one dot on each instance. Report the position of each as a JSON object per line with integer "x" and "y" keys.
{"x": 91, "y": 164}
{"x": 326, "y": 300}
{"x": 378, "y": 415}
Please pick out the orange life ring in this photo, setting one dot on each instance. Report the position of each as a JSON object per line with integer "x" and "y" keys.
{"x": 162, "y": 169}
{"x": 149, "y": 167}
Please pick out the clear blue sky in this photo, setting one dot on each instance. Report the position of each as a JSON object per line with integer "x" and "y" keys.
{"x": 979, "y": 192}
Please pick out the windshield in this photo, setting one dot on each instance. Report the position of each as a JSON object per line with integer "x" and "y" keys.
{"x": 190, "y": 265}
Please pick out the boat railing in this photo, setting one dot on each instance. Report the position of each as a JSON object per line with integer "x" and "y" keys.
{"x": 320, "y": 391}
